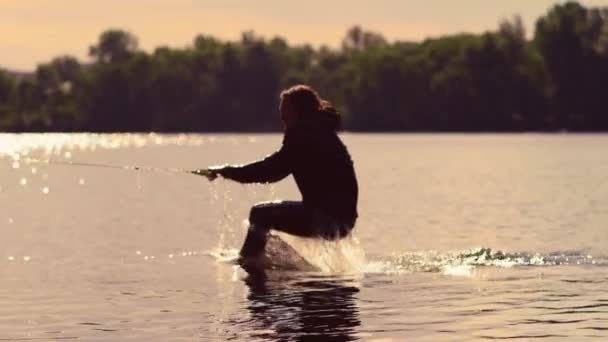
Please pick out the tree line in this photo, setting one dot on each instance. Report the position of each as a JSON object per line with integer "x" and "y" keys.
{"x": 495, "y": 81}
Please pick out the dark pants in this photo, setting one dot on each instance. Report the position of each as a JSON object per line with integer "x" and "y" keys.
{"x": 293, "y": 218}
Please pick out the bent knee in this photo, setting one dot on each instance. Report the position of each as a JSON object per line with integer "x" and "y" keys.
{"x": 258, "y": 214}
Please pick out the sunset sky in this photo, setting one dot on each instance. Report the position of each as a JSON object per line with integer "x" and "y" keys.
{"x": 33, "y": 31}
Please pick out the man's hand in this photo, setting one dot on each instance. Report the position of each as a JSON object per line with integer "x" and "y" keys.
{"x": 211, "y": 173}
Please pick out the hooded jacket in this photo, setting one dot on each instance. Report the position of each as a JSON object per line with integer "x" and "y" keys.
{"x": 319, "y": 162}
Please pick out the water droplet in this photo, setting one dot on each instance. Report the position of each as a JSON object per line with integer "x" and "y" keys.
{"x": 45, "y": 190}
{"x": 184, "y": 254}
{"x": 81, "y": 181}
{"x": 138, "y": 252}
{"x": 23, "y": 181}
{"x": 170, "y": 256}
{"x": 146, "y": 257}
{"x": 68, "y": 155}
{"x": 34, "y": 170}
{"x": 11, "y": 258}
{"x": 16, "y": 165}
{"x": 27, "y": 258}
{"x": 11, "y": 221}
{"x": 152, "y": 257}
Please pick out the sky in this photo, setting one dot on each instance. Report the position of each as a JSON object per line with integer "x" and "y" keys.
{"x": 35, "y": 31}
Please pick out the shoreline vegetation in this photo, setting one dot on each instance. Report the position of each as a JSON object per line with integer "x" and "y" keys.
{"x": 497, "y": 81}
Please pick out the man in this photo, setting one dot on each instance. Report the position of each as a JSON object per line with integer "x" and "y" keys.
{"x": 321, "y": 166}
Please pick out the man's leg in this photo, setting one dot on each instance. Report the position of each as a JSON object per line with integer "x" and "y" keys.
{"x": 290, "y": 217}
{"x": 255, "y": 241}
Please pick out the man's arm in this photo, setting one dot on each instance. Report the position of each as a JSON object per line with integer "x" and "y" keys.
{"x": 268, "y": 170}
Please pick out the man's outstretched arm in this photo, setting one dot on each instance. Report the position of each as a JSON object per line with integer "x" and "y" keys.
{"x": 271, "y": 169}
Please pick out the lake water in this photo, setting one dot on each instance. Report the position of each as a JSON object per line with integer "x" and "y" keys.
{"x": 467, "y": 237}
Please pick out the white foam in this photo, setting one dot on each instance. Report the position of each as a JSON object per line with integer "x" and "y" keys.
{"x": 459, "y": 270}
{"x": 329, "y": 256}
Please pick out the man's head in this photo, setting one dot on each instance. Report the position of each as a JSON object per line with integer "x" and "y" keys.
{"x": 298, "y": 101}
{"x": 302, "y": 103}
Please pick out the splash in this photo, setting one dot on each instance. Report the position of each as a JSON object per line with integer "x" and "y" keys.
{"x": 291, "y": 253}
{"x": 224, "y": 255}
{"x": 329, "y": 256}
{"x": 465, "y": 262}
{"x": 346, "y": 256}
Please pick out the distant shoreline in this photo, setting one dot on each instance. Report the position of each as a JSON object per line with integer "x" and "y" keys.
{"x": 341, "y": 132}
{"x": 498, "y": 81}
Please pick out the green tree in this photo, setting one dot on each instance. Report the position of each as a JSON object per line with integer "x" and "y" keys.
{"x": 7, "y": 98}
{"x": 7, "y": 88}
{"x": 495, "y": 81}
{"x": 114, "y": 46}
{"x": 358, "y": 39}
{"x": 570, "y": 40}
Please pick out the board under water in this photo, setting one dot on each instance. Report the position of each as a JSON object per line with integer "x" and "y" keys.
{"x": 291, "y": 253}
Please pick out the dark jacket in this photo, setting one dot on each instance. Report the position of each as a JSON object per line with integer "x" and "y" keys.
{"x": 320, "y": 164}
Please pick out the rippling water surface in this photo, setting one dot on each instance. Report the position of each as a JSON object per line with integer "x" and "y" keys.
{"x": 478, "y": 237}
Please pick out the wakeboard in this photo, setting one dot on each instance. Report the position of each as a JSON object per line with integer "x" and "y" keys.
{"x": 278, "y": 255}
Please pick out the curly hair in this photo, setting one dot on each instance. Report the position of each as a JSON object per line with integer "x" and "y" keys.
{"x": 308, "y": 101}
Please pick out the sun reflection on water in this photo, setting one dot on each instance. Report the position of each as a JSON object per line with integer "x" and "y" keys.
{"x": 21, "y": 150}
{"x": 17, "y": 145}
